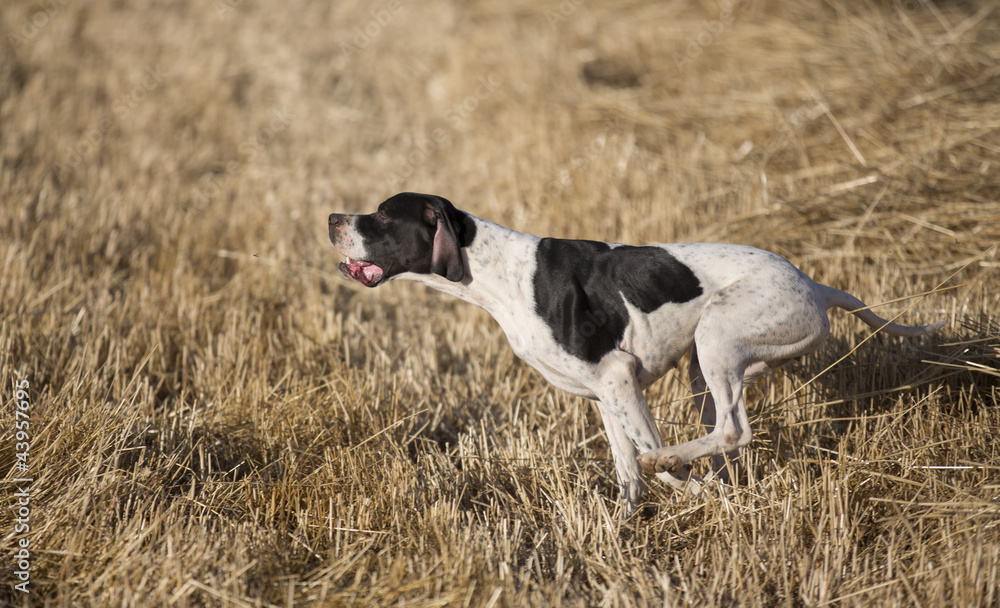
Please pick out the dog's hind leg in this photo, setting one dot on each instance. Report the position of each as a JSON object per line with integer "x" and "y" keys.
{"x": 725, "y": 466}
{"x": 742, "y": 333}
{"x": 731, "y": 428}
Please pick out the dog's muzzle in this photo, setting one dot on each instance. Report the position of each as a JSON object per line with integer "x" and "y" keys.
{"x": 367, "y": 273}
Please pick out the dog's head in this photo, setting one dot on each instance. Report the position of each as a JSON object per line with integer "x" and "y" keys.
{"x": 409, "y": 232}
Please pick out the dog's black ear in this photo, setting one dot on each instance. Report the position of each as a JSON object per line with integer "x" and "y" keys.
{"x": 446, "y": 255}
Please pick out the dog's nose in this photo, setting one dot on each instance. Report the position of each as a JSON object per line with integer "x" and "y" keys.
{"x": 336, "y": 220}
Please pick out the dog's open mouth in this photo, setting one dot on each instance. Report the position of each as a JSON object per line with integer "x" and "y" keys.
{"x": 366, "y": 273}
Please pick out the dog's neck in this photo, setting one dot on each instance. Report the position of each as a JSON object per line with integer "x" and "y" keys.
{"x": 505, "y": 256}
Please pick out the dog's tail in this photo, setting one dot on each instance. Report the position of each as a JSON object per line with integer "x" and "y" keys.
{"x": 841, "y": 299}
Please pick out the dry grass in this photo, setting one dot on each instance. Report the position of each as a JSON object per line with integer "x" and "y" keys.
{"x": 218, "y": 419}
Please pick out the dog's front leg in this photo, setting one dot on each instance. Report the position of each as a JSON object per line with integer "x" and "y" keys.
{"x": 630, "y": 483}
{"x": 631, "y": 427}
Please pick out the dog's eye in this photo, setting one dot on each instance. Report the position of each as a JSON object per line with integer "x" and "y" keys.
{"x": 381, "y": 216}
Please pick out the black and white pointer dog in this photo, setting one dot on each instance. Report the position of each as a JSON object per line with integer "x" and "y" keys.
{"x": 604, "y": 321}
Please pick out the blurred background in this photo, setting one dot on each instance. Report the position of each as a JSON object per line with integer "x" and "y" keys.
{"x": 220, "y": 419}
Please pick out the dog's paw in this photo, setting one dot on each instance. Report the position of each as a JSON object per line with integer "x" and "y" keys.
{"x": 659, "y": 461}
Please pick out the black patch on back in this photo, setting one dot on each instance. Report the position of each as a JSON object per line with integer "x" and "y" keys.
{"x": 579, "y": 287}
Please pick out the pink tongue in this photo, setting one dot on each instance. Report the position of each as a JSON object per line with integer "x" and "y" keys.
{"x": 372, "y": 272}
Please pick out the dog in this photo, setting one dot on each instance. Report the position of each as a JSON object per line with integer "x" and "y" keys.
{"x": 604, "y": 321}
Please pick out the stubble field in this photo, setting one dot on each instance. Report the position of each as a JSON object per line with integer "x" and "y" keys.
{"x": 217, "y": 418}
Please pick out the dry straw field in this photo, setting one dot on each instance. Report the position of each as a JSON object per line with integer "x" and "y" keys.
{"x": 217, "y": 418}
